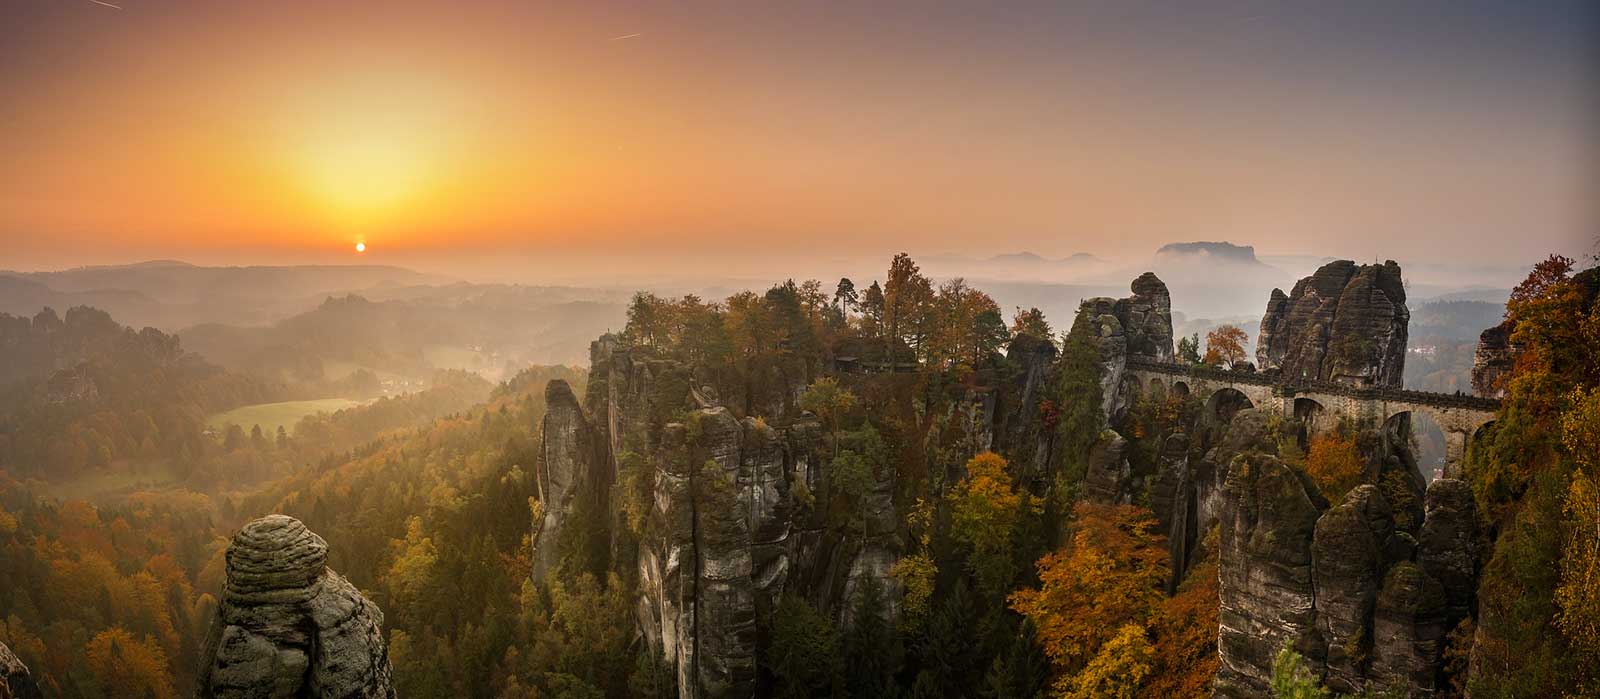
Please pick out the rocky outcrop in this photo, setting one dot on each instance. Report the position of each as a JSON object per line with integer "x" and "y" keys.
{"x": 1136, "y": 327}
{"x": 1020, "y": 434}
{"x": 1266, "y": 592}
{"x": 728, "y": 534}
{"x": 1448, "y": 543}
{"x": 1346, "y": 322}
{"x": 574, "y": 467}
{"x": 1107, "y": 474}
{"x": 1147, "y": 318}
{"x": 1379, "y": 602}
{"x": 1408, "y": 630}
{"x": 15, "y": 680}
{"x": 1348, "y": 554}
{"x": 1492, "y": 361}
{"x": 289, "y": 626}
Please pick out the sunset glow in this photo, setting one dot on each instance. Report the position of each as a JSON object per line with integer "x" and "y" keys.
{"x": 292, "y": 128}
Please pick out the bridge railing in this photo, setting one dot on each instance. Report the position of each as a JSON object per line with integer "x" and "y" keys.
{"x": 1290, "y": 388}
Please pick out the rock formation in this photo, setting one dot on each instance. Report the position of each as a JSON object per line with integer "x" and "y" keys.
{"x": 1346, "y": 322}
{"x": 730, "y": 527}
{"x": 1492, "y": 361}
{"x": 288, "y": 626}
{"x": 15, "y": 680}
{"x": 573, "y": 463}
{"x": 1267, "y": 599}
{"x": 1348, "y": 553}
{"x": 1106, "y": 474}
{"x": 1136, "y": 327}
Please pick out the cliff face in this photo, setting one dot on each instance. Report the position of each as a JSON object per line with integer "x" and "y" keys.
{"x": 574, "y": 464}
{"x": 15, "y": 680}
{"x": 1135, "y": 327}
{"x": 726, "y": 534}
{"x": 290, "y": 626}
{"x": 1492, "y": 361}
{"x": 1346, "y": 322}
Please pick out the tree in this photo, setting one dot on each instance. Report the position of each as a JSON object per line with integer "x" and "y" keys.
{"x": 829, "y": 401}
{"x": 1292, "y": 680}
{"x": 648, "y": 319}
{"x": 804, "y": 649}
{"x": 128, "y": 666}
{"x": 1189, "y": 349}
{"x": 906, "y": 294}
{"x": 1117, "y": 671}
{"x": 985, "y": 510}
{"x": 1334, "y": 463}
{"x": 1108, "y": 575}
{"x": 1078, "y": 401}
{"x": 1225, "y": 346}
{"x": 1578, "y": 595}
{"x": 845, "y": 296}
{"x": 989, "y": 334}
{"x": 1032, "y": 323}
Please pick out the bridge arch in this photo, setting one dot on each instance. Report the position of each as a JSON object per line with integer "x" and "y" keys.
{"x": 1314, "y": 415}
{"x": 1158, "y": 390}
{"x": 1180, "y": 389}
{"x": 1226, "y": 401}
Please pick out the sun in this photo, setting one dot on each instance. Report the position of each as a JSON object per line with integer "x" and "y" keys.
{"x": 361, "y": 247}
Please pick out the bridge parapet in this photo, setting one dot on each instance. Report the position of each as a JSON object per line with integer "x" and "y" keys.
{"x": 1292, "y": 388}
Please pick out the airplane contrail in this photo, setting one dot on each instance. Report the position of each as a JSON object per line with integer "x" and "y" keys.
{"x": 107, "y": 4}
{"x": 614, "y": 38}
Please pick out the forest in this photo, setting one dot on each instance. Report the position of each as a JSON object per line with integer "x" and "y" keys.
{"x": 1011, "y": 577}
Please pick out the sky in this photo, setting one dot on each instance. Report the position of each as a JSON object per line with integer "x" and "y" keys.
{"x": 615, "y": 136}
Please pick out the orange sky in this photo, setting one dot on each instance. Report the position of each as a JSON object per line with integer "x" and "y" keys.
{"x": 226, "y": 130}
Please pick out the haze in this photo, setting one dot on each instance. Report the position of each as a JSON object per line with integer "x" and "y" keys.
{"x": 507, "y": 141}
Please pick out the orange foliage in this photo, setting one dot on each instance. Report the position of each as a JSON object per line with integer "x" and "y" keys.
{"x": 134, "y": 667}
{"x": 1107, "y": 576}
{"x": 1225, "y": 346}
{"x": 1335, "y": 464}
{"x": 1185, "y": 631}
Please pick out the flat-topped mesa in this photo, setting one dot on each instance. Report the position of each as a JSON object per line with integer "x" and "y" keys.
{"x": 1345, "y": 322}
{"x": 290, "y": 626}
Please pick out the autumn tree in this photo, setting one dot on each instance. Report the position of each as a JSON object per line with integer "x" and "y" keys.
{"x": 1109, "y": 575}
{"x": 1334, "y": 463}
{"x": 1225, "y": 347}
{"x": 1032, "y": 323}
{"x": 985, "y": 509}
{"x": 831, "y": 402}
{"x": 127, "y": 666}
{"x": 1117, "y": 671}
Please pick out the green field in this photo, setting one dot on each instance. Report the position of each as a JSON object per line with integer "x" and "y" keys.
{"x": 271, "y": 415}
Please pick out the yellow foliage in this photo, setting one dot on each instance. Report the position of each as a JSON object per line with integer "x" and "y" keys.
{"x": 1116, "y": 672}
{"x": 1578, "y": 595}
{"x": 133, "y": 667}
{"x": 916, "y": 575}
{"x": 984, "y": 511}
{"x": 1109, "y": 575}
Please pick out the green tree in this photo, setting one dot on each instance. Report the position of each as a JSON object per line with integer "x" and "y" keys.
{"x": 1079, "y": 418}
{"x": 1292, "y": 680}
{"x": 804, "y": 651}
{"x": 1189, "y": 349}
{"x": 829, "y": 401}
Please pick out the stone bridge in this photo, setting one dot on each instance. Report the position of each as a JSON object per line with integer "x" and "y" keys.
{"x": 1320, "y": 404}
